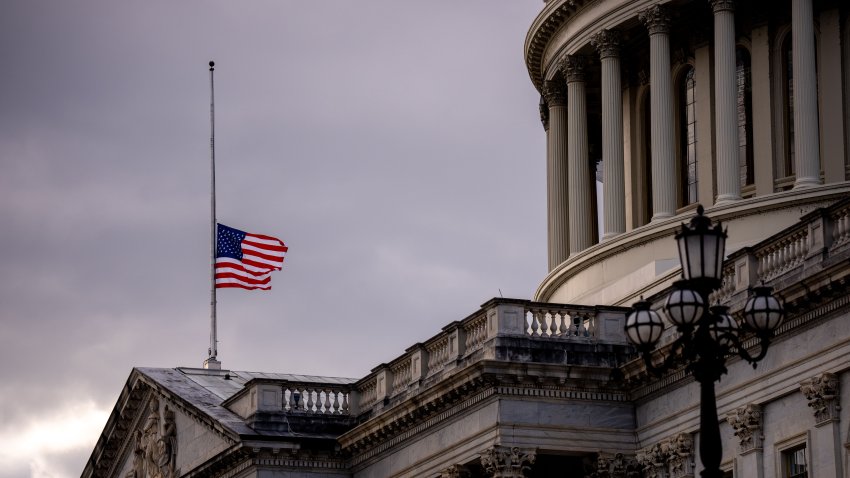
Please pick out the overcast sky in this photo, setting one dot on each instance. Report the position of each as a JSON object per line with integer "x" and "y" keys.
{"x": 395, "y": 146}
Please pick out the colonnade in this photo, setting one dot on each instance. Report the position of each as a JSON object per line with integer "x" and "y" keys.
{"x": 570, "y": 192}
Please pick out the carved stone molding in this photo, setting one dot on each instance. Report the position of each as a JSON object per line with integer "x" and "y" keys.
{"x": 681, "y": 456}
{"x": 555, "y": 93}
{"x": 155, "y": 447}
{"x": 670, "y": 458}
{"x": 504, "y": 462}
{"x": 616, "y": 466}
{"x": 653, "y": 460}
{"x": 572, "y": 67}
{"x": 747, "y": 423}
{"x": 656, "y": 19}
{"x": 607, "y": 43}
{"x": 544, "y": 112}
{"x": 718, "y": 6}
{"x": 455, "y": 471}
{"x": 822, "y": 392}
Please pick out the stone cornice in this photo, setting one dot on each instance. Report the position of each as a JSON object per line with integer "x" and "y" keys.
{"x": 457, "y": 394}
{"x": 642, "y": 387}
{"x": 547, "y": 23}
{"x": 653, "y": 231}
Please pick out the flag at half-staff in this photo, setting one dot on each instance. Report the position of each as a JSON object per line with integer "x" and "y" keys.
{"x": 245, "y": 260}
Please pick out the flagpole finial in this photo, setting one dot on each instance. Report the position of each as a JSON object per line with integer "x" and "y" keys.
{"x": 212, "y": 64}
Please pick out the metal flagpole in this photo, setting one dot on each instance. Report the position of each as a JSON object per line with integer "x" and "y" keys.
{"x": 211, "y": 362}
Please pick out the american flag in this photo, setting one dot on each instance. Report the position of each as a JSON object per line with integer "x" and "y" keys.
{"x": 246, "y": 260}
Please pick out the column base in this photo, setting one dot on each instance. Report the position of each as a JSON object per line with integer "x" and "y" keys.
{"x": 661, "y": 216}
{"x": 804, "y": 183}
{"x": 611, "y": 235}
{"x": 726, "y": 198}
{"x": 212, "y": 364}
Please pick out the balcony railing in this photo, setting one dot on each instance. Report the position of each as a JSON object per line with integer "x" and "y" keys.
{"x": 472, "y": 338}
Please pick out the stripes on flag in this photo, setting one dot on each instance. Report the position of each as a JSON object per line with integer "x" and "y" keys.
{"x": 246, "y": 260}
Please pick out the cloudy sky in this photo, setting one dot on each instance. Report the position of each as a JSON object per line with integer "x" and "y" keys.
{"x": 394, "y": 145}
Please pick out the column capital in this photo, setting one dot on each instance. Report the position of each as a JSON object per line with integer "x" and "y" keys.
{"x": 718, "y": 6}
{"x": 572, "y": 67}
{"x": 544, "y": 112}
{"x": 822, "y": 392}
{"x": 504, "y": 462}
{"x": 747, "y": 423}
{"x": 555, "y": 93}
{"x": 607, "y": 43}
{"x": 455, "y": 471}
{"x": 681, "y": 456}
{"x": 616, "y": 466}
{"x": 656, "y": 19}
{"x": 653, "y": 460}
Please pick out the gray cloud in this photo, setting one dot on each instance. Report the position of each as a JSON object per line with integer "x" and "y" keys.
{"x": 395, "y": 146}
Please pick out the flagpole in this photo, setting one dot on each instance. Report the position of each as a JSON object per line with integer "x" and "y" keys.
{"x": 211, "y": 362}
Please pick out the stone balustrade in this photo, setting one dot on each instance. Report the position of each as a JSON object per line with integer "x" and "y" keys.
{"x": 779, "y": 256}
{"x": 819, "y": 233}
{"x": 316, "y": 398}
{"x": 474, "y": 338}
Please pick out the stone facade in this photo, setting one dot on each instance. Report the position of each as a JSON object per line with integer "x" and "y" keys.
{"x": 550, "y": 387}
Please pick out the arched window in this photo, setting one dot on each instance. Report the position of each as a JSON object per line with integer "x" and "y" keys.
{"x": 788, "y": 104}
{"x": 687, "y": 136}
{"x": 745, "y": 116}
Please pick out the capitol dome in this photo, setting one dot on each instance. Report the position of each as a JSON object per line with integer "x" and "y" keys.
{"x": 739, "y": 106}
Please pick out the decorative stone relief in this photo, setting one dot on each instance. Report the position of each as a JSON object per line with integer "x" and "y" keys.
{"x": 504, "y": 462}
{"x": 544, "y": 112}
{"x": 572, "y": 67}
{"x": 747, "y": 423}
{"x": 455, "y": 471}
{"x": 681, "y": 456}
{"x": 822, "y": 392}
{"x": 653, "y": 460}
{"x": 607, "y": 43}
{"x": 155, "y": 447}
{"x": 656, "y": 19}
{"x": 671, "y": 458}
{"x": 617, "y": 466}
{"x": 555, "y": 93}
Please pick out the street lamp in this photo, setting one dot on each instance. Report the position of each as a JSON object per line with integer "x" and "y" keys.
{"x": 707, "y": 334}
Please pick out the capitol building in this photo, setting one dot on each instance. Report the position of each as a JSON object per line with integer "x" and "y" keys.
{"x": 741, "y": 106}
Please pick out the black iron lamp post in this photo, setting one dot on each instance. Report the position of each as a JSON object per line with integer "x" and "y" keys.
{"x": 707, "y": 335}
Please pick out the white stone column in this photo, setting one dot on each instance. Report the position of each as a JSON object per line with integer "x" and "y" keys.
{"x": 763, "y": 146}
{"x": 582, "y": 220}
{"x": 607, "y": 42}
{"x": 725, "y": 101}
{"x": 555, "y": 93}
{"x": 661, "y": 103}
{"x": 806, "y": 134}
{"x": 830, "y": 89}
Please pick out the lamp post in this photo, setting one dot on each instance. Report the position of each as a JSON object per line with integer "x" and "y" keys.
{"x": 707, "y": 335}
